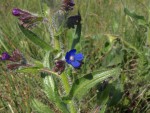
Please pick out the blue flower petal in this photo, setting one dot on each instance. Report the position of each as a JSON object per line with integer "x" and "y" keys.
{"x": 68, "y": 61}
{"x": 79, "y": 57}
{"x": 67, "y": 57}
{"x": 72, "y": 52}
{"x": 76, "y": 64}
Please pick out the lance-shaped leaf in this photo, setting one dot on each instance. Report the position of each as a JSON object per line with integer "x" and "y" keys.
{"x": 76, "y": 40}
{"x": 40, "y": 107}
{"x": 50, "y": 88}
{"x": 35, "y": 39}
{"x": 32, "y": 69}
{"x": 82, "y": 85}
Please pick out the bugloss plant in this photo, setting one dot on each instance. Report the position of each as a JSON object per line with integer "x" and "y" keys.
{"x": 74, "y": 87}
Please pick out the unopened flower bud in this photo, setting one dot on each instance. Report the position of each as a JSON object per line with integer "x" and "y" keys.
{"x": 67, "y": 5}
{"x": 16, "y": 56}
{"x": 5, "y": 56}
{"x": 59, "y": 66}
{"x": 26, "y": 19}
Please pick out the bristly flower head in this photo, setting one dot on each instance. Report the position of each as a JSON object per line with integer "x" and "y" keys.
{"x": 74, "y": 59}
{"x": 26, "y": 19}
{"x": 67, "y": 5}
{"x": 5, "y": 56}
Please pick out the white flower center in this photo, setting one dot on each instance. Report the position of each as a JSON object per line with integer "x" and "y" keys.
{"x": 72, "y": 58}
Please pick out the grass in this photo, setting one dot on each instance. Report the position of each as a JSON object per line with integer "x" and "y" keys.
{"x": 110, "y": 38}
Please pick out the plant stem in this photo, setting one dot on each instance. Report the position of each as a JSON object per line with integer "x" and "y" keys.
{"x": 56, "y": 43}
{"x": 49, "y": 71}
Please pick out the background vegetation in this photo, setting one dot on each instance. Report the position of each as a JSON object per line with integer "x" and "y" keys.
{"x": 115, "y": 33}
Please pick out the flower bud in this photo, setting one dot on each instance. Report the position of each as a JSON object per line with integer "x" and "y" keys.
{"x": 59, "y": 66}
{"x": 5, "y": 56}
{"x": 67, "y": 5}
{"x": 16, "y": 56}
{"x": 16, "y": 12}
{"x": 26, "y": 19}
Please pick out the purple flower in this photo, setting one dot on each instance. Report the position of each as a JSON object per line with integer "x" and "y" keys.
{"x": 68, "y": 5}
{"x": 5, "y": 56}
{"x": 26, "y": 19}
{"x": 17, "y": 12}
{"x": 16, "y": 56}
{"x": 74, "y": 59}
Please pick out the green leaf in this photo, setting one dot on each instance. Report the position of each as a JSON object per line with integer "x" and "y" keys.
{"x": 78, "y": 35}
{"x": 133, "y": 14}
{"x": 46, "y": 61}
{"x": 102, "y": 98}
{"x": 49, "y": 83}
{"x": 35, "y": 39}
{"x": 148, "y": 37}
{"x": 51, "y": 92}
{"x": 29, "y": 70}
{"x": 37, "y": 66}
{"x": 50, "y": 88}
{"x": 40, "y": 107}
{"x": 82, "y": 85}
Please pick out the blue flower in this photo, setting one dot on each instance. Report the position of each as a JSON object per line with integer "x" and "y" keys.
{"x": 74, "y": 59}
{"x": 5, "y": 56}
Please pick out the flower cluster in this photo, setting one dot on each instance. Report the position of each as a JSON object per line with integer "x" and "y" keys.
{"x": 59, "y": 66}
{"x": 72, "y": 58}
{"x": 26, "y": 19}
{"x": 16, "y": 57}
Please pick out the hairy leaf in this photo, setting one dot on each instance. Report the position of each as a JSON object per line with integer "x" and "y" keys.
{"x": 40, "y": 107}
{"x": 82, "y": 85}
{"x": 35, "y": 39}
{"x": 50, "y": 88}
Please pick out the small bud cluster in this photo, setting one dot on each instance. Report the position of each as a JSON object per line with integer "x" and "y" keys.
{"x": 26, "y": 19}
{"x": 59, "y": 66}
{"x": 67, "y": 5}
{"x": 16, "y": 58}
